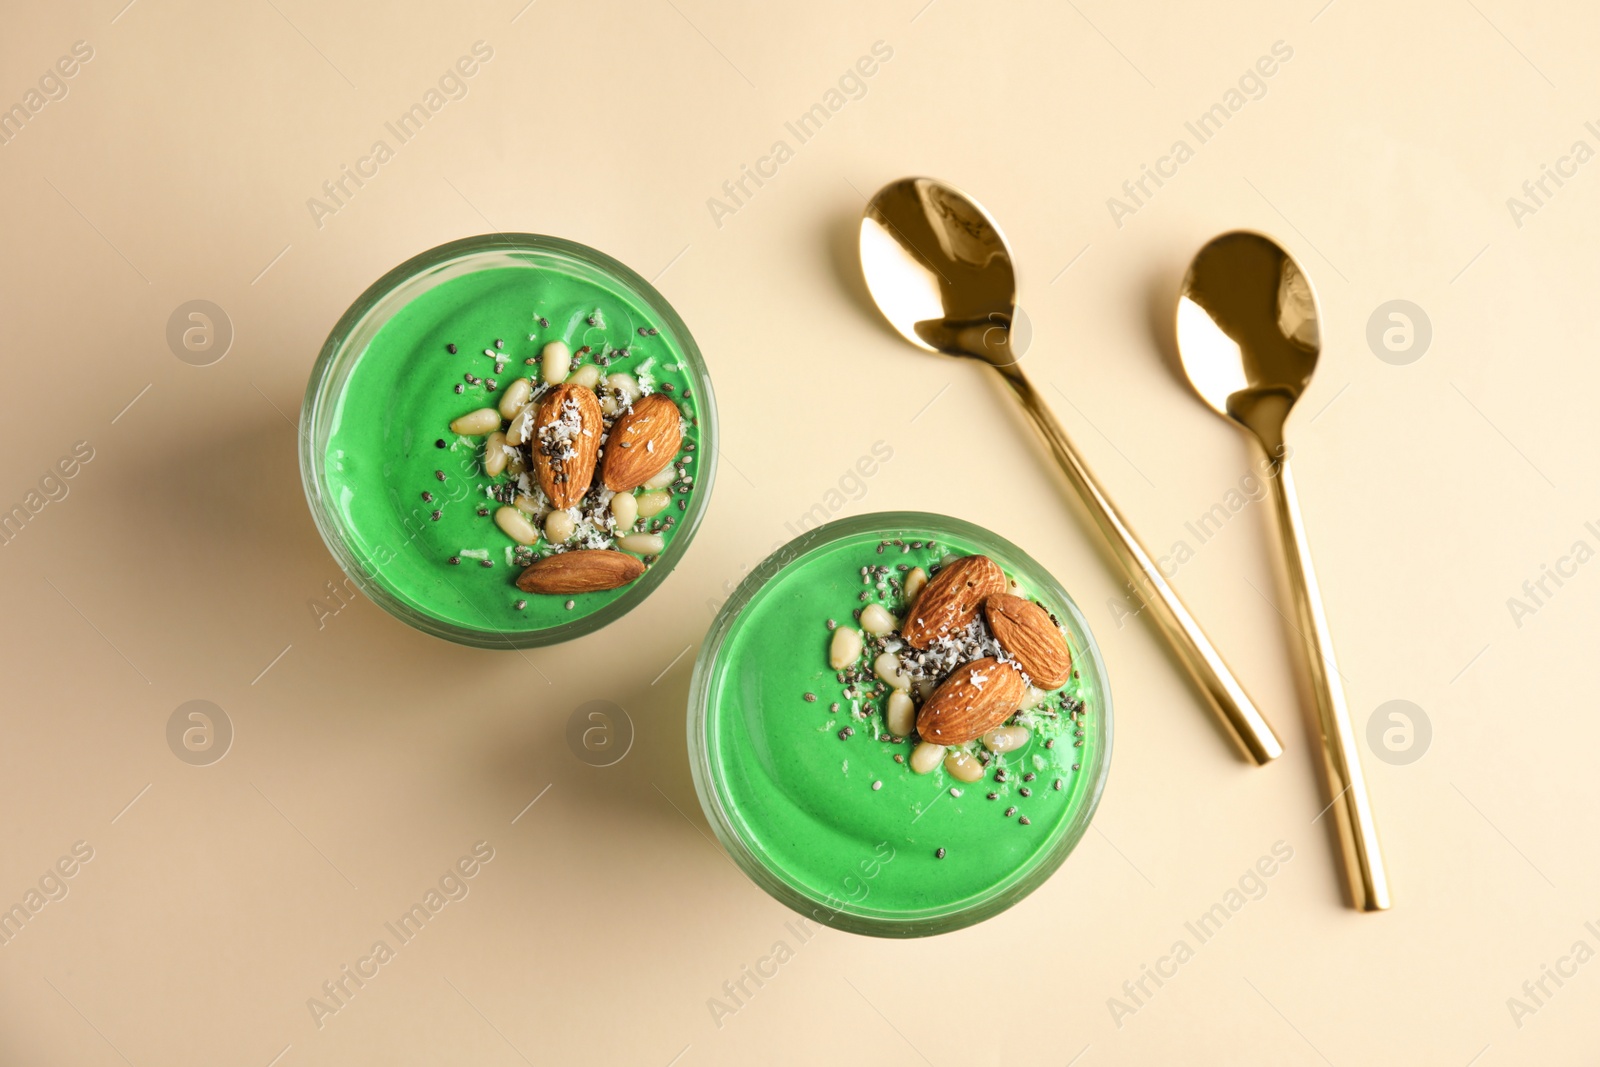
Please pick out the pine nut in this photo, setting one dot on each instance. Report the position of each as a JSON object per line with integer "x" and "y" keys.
{"x": 877, "y": 621}
{"x": 624, "y": 511}
{"x": 845, "y": 648}
{"x": 557, "y": 361}
{"x": 1006, "y": 738}
{"x": 914, "y": 583}
{"x": 559, "y": 526}
{"x": 494, "y": 454}
{"x": 515, "y": 396}
{"x": 962, "y": 766}
{"x": 521, "y": 428}
{"x": 587, "y": 376}
{"x": 1030, "y": 700}
{"x": 642, "y": 544}
{"x": 901, "y": 716}
{"x": 668, "y": 475}
{"x": 627, "y": 385}
{"x": 515, "y": 464}
{"x": 926, "y": 756}
{"x": 652, "y": 502}
{"x": 477, "y": 422}
{"x": 515, "y": 526}
{"x": 528, "y": 505}
{"x": 887, "y": 667}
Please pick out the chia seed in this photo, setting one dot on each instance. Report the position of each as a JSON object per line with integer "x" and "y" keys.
{"x": 439, "y": 475}
{"x": 454, "y": 561}
{"x": 876, "y": 786}
{"x": 460, "y": 388}
{"x": 994, "y": 796}
{"x": 1025, "y": 821}
{"x": 427, "y": 497}
{"x": 499, "y": 343}
{"x": 938, "y": 854}
{"x": 486, "y": 563}
{"x": 571, "y": 604}
{"x": 1011, "y": 811}
{"x": 811, "y": 698}
{"x": 436, "y": 516}
{"x": 847, "y": 733}
{"x": 544, "y": 323}
{"x": 450, "y": 349}
{"x": 1075, "y": 766}
{"x": 833, "y": 624}
{"x": 439, "y": 443}
{"x": 833, "y": 708}
{"x": 519, "y": 605}
{"x": 1059, "y": 786}
{"x": 1030, "y": 776}
{"x": 1025, "y": 791}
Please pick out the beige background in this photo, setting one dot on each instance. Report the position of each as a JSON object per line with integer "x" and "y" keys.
{"x": 183, "y": 564}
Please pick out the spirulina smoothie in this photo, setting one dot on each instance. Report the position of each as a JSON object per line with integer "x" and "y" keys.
{"x": 824, "y": 770}
{"x": 469, "y": 444}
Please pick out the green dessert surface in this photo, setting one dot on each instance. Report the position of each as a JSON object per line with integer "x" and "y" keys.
{"x": 397, "y": 404}
{"x": 803, "y": 797}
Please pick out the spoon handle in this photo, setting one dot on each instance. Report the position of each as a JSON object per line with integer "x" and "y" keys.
{"x": 1222, "y": 690}
{"x": 1352, "y": 808}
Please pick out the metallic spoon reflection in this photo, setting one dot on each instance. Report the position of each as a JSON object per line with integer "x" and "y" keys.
{"x": 941, "y": 273}
{"x": 1248, "y": 338}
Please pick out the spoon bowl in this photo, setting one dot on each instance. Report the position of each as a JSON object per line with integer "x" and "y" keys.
{"x": 1248, "y": 338}
{"x": 940, "y": 270}
{"x": 942, "y": 274}
{"x": 1248, "y": 331}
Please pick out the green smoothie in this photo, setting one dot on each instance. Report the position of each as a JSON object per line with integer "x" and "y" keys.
{"x": 810, "y": 781}
{"x": 413, "y": 500}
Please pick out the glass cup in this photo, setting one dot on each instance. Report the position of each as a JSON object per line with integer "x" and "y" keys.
{"x": 846, "y": 846}
{"x": 368, "y": 564}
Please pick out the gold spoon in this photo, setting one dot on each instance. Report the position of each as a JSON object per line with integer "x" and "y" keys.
{"x": 1248, "y": 338}
{"x": 941, "y": 273}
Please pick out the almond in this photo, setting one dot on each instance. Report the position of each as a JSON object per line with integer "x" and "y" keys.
{"x": 1025, "y": 631}
{"x": 974, "y": 699}
{"x": 566, "y": 443}
{"x": 950, "y": 600}
{"x": 584, "y": 570}
{"x": 642, "y": 443}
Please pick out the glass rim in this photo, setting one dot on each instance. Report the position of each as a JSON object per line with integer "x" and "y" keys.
{"x": 932, "y": 921}
{"x": 326, "y": 383}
